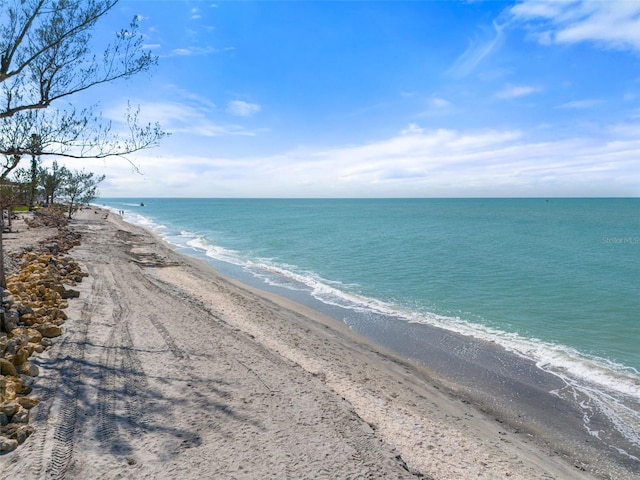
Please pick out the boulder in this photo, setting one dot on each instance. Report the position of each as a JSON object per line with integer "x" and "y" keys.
{"x": 31, "y": 334}
{"x": 21, "y": 416}
{"x": 22, "y": 433}
{"x": 21, "y": 356}
{"x": 70, "y": 293}
{"x": 24, "y": 310}
{"x": 29, "y": 369}
{"x": 8, "y": 444}
{"x": 7, "y": 299}
{"x": 18, "y": 432}
{"x": 35, "y": 347}
{"x": 10, "y": 408}
{"x": 7, "y": 368}
{"x": 27, "y": 402}
{"x": 49, "y": 330}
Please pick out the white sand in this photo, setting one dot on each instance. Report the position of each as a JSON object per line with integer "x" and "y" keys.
{"x": 168, "y": 370}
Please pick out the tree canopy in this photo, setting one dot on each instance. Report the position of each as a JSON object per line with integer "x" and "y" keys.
{"x": 79, "y": 188}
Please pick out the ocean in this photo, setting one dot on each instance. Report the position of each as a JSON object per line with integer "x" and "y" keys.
{"x": 553, "y": 280}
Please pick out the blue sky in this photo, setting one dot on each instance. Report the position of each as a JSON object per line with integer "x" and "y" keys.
{"x": 382, "y": 99}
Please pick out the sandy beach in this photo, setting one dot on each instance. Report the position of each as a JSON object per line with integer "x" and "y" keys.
{"x": 168, "y": 370}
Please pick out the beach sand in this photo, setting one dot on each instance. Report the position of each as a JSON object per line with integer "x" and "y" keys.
{"x": 167, "y": 369}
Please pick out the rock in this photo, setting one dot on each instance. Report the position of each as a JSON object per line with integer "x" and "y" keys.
{"x": 10, "y": 387}
{"x": 27, "y": 402}
{"x": 15, "y": 343}
{"x": 10, "y": 408}
{"x": 21, "y": 356}
{"x": 25, "y": 380}
{"x": 36, "y": 347}
{"x": 22, "y": 433}
{"x": 3, "y": 419}
{"x": 29, "y": 369}
{"x": 11, "y": 319}
{"x": 31, "y": 334}
{"x": 18, "y": 432}
{"x": 24, "y": 310}
{"x": 21, "y": 416}
{"x": 7, "y": 368}
{"x": 49, "y": 330}
{"x": 70, "y": 293}
{"x": 7, "y": 299}
{"x": 53, "y": 247}
{"x": 46, "y": 342}
{"x": 7, "y": 390}
{"x": 7, "y": 444}
{"x": 28, "y": 319}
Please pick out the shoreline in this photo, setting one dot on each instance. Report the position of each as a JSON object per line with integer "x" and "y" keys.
{"x": 513, "y": 388}
{"x": 193, "y": 359}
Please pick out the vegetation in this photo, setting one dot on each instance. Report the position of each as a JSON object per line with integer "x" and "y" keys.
{"x": 80, "y": 188}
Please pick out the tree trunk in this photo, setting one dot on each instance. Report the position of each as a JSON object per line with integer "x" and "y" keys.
{"x": 3, "y": 279}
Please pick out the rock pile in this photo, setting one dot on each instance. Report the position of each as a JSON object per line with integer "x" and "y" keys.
{"x": 33, "y": 305}
{"x": 54, "y": 217}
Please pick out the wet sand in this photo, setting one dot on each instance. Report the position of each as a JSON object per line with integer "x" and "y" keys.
{"x": 169, "y": 370}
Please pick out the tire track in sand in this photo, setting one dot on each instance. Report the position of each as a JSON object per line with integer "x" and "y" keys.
{"x": 122, "y": 382}
{"x": 67, "y": 389}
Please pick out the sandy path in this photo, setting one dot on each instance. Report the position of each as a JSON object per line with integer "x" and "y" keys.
{"x": 167, "y": 370}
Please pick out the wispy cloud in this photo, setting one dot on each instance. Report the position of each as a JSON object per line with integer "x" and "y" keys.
{"x": 438, "y": 102}
{"x": 477, "y": 51}
{"x": 609, "y": 24}
{"x": 516, "y": 91}
{"x": 191, "y": 51}
{"x": 582, "y": 104}
{"x": 181, "y": 118}
{"x": 242, "y": 109}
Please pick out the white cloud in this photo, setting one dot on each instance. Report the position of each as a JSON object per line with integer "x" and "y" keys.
{"x": 609, "y": 24}
{"x": 191, "y": 51}
{"x": 582, "y": 104}
{"x": 412, "y": 129}
{"x": 515, "y": 91}
{"x": 439, "y": 102}
{"x": 242, "y": 109}
{"x": 416, "y": 162}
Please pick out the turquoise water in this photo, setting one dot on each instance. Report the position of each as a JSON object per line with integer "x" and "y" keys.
{"x": 557, "y": 280}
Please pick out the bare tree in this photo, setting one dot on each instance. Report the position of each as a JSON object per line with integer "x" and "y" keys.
{"x": 46, "y": 57}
